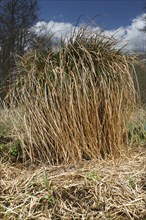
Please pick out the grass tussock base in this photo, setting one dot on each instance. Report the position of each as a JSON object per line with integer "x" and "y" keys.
{"x": 73, "y": 103}
{"x": 110, "y": 190}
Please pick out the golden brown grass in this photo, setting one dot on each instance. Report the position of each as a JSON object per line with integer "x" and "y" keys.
{"x": 67, "y": 107}
{"x": 73, "y": 103}
{"x": 110, "y": 190}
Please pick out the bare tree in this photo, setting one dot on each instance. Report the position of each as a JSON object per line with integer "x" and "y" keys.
{"x": 16, "y": 17}
{"x": 41, "y": 39}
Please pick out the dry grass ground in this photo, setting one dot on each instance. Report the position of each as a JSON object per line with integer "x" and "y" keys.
{"x": 113, "y": 189}
{"x": 71, "y": 113}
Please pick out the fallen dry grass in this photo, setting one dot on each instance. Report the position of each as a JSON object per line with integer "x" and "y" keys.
{"x": 113, "y": 189}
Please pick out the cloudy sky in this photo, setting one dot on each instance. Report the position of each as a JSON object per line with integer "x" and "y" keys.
{"x": 123, "y": 18}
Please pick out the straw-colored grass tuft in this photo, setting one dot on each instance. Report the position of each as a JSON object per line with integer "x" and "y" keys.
{"x": 73, "y": 102}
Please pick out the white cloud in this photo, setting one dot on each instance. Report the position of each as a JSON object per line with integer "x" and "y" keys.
{"x": 130, "y": 35}
{"x": 134, "y": 36}
{"x": 58, "y": 29}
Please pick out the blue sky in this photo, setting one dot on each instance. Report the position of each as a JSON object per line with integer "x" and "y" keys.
{"x": 122, "y": 19}
{"x": 113, "y": 13}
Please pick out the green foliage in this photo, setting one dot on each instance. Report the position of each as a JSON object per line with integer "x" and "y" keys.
{"x": 15, "y": 148}
{"x": 137, "y": 131}
{"x": 46, "y": 182}
{"x": 5, "y": 141}
{"x": 132, "y": 182}
{"x": 50, "y": 199}
{"x": 93, "y": 176}
{"x": 8, "y": 146}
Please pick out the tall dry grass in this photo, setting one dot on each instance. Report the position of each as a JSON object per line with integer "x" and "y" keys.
{"x": 73, "y": 103}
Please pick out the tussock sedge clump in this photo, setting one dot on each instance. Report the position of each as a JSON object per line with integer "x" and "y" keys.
{"x": 73, "y": 102}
